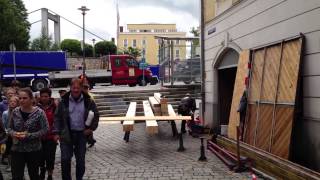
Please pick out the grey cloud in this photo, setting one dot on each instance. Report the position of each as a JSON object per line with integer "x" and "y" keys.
{"x": 189, "y": 6}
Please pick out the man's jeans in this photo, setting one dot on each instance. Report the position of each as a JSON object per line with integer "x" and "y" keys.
{"x": 78, "y": 147}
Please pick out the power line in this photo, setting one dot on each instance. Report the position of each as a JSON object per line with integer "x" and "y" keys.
{"x": 35, "y": 22}
{"x": 77, "y": 25}
{"x": 33, "y": 11}
{"x": 69, "y": 22}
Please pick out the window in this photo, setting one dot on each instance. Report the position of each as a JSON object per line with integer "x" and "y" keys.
{"x": 117, "y": 62}
{"x": 177, "y": 42}
{"x": 125, "y": 43}
{"x": 134, "y": 43}
{"x": 132, "y": 63}
{"x": 177, "y": 53}
{"x": 144, "y": 42}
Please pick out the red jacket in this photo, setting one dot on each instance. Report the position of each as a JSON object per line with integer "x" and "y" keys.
{"x": 49, "y": 111}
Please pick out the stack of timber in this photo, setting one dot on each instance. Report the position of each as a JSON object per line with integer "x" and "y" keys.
{"x": 268, "y": 163}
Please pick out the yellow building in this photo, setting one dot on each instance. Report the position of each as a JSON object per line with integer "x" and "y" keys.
{"x": 142, "y": 36}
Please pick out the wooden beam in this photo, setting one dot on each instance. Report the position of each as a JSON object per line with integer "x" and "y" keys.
{"x": 157, "y": 96}
{"x": 146, "y": 118}
{"x": 155, "y": 105}
{"x": 173, "y": 114}
{"x": 151, "y": 126}
{"x": 128, "y": 125}
{"x": 163, "y": 103}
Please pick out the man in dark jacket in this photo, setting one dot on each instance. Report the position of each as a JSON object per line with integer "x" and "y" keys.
{"x": 72, "y": 128}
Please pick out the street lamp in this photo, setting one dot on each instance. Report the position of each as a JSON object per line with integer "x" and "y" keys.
{"x": 94, "y": 53}
{"x": 83, "y": 9}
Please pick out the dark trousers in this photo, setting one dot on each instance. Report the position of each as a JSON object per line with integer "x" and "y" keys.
{"x": 20, "y": 159}
{"x": 78, "y": 147}
{"x": 8, "y": 147}
{"x": 48, "y": 154}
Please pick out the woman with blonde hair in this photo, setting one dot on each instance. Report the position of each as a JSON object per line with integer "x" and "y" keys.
{"x": 6, "y": 120}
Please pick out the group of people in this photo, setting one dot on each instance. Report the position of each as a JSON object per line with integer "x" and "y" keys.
{"x": 31, "y": 129}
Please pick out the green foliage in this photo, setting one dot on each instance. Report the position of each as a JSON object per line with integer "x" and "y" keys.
{"x": 72, "y": 46}
{"x": 196, "y": 42}
{"x": 88, "y": 51}
{"x": 134, "y": 52}
{"x": 14, "y": 25}
{"x": 44, "y": 43}
{"x": 105, "y": 48}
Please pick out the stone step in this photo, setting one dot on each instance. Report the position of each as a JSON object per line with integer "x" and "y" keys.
{"x": 146, "y": 95}
{"x": 143, "y": 91}
{"x": 139, "y": 107}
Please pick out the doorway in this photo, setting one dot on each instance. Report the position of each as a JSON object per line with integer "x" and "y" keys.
{"x": 227, "y": 72}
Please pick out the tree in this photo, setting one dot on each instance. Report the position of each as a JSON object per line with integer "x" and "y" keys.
{"x": 105, "y": 48}
{"x": 72, "y": 46}
{"x": 44, "y": 43}
{"x": 14, "y": 25}
{"x": 88, "y": 51}
{"x": 195, "y": 42}
{"x": 134, "y": 52}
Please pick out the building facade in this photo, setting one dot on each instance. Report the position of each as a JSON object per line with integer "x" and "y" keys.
{"x": 142, "y": 36}
{"x": 234, "y": 26}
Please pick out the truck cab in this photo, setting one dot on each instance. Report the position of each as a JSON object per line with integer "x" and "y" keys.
{"x": 125, "y": 70}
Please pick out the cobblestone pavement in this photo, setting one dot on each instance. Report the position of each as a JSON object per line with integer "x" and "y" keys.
{"x": 146, "y": 157}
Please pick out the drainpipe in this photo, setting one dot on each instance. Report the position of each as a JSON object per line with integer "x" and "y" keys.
{"x": 202, "y": 64}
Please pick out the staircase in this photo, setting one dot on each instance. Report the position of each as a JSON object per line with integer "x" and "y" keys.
{"x": 117, "y": 103}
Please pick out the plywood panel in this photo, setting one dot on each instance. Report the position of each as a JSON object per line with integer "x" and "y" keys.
{"x": 269, "y": 124}
{"x": 264, "y": 126}
{"x": 250, "y": 124}
{"x": 239, "y": 87}
{"x": 272, "y": 62}
{"x": 289, "y": 72}
{"x": 282, "y": 131}
{"x": 256, "y": 76}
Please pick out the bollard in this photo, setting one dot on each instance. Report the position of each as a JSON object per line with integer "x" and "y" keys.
{"x": 126, "y": 136}
{"x": 181, "y": 148}
{"x": 202, "y": 152}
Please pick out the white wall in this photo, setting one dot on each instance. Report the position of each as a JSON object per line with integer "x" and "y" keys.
{"x": 253, "y": 23}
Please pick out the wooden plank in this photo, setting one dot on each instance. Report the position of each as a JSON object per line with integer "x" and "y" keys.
{"x": 155, "y": 105}
{"x": 146, "y": 118}
{"x": 270, "y": 81}
{"x": 128, "y": 125}
{"x": 151, "y": 126}
{"x": 289, "y": 71}
{"x": 280, "y": 82}
{"x": 282, "y": 131}
{"x": 250, "y": 124}
{"x": 256, "y": 76}
{"x": 172, "y": 113}
{"x": 163, "y": 104}
{"x": 264, "y": 127}
{"x": 157, "y": 96}
{"x": 239, "y": 88}
{"x": 272, "y": 165}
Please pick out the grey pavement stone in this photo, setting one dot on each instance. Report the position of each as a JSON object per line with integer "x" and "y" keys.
{"x": 145, "y": 157}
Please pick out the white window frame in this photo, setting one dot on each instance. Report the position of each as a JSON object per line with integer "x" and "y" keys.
{"x": 177, "y": 53}
{"x": 134, "y": 40}
{"x": 125, "y": 43}
{"x": 145, "y": 42}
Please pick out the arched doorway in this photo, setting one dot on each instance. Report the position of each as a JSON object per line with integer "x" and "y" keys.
{"x": 227, "y": 70}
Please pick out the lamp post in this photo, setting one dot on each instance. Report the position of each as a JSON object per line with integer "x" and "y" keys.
{"x": 83, "y": 9}
{"x": 93, "y": 49}
{"x": 13, "y": 49}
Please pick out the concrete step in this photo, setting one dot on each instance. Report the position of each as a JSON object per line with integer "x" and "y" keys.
{"x": 142, "y": 91}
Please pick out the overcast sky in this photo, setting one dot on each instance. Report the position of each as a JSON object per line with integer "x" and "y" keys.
{"x": 102, "y": 17}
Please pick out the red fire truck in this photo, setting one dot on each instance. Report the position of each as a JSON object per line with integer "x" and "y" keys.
{"x": 119, "y": 70}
